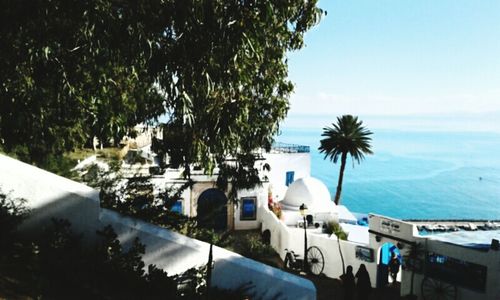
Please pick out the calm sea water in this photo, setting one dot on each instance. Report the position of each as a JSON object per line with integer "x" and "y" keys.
{"x": 421, "y": 175}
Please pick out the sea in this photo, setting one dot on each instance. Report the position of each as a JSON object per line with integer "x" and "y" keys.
{"x": 420, "y": 169}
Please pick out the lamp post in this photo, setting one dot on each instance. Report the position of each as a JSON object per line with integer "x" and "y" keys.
{"x": 303, "y": 212}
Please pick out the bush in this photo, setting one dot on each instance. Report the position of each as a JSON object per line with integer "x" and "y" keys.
{"x": 251, "y": 246}
{"x": 335, "y": 228}
{"x": 61, "y": 165}
{"x": 58, "y": 266}
{"x": 276, "y": 209}
{"x": 66, "y": 269}
{"x": 12, "y": 213}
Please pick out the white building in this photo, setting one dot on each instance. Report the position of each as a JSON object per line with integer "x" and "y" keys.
{"x": 444, "y": 265}
{"x": 287, "y": 162}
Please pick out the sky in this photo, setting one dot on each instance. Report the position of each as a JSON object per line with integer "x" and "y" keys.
{"x": 400, "y": 58}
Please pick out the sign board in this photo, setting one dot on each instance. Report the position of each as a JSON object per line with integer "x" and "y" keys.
{"x": 391, "y": 227}
{"x": 364, "y": 254}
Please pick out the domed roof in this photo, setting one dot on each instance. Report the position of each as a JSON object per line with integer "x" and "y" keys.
{"x": 310, "y": 191}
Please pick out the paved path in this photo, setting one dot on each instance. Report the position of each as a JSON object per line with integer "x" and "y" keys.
{"x": 331, "y": 289}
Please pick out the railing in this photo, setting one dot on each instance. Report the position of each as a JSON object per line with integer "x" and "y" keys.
{"x": 289, "y": 148}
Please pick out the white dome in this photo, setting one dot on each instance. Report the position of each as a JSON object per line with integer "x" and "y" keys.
{"x": 310, "y": 191}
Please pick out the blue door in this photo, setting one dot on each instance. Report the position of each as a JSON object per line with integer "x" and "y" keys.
{"x": 289, "y": 177}
{"x": 212, "y": 209}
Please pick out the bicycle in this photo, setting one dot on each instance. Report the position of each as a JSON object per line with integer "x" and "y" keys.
{"x": 315, "y": 261}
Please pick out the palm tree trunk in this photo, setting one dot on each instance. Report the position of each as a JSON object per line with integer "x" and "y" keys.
{"x": 341, "y": 255}
{"x": 343, "y": 160}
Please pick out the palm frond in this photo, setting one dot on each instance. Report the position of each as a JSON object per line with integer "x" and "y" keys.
{"x": 346, "y": 136}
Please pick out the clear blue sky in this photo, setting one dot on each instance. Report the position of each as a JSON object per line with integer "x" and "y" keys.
{"x": 400, "y": 57}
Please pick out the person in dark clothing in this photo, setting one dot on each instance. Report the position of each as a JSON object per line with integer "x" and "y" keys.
{"x": 394, "y": 267}
{"x": 348, "y": 283}
{"x": 363, "y": 283}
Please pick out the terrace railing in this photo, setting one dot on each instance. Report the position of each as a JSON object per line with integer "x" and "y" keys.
{"x": 289, "y": 148}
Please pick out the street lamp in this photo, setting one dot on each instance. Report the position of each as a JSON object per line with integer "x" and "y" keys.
{"x": 303, "y": 213}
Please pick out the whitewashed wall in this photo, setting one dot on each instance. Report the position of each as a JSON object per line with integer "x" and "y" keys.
{"x": 49, "y": 195}
{"x": 260, "y": 193}
{"x": 161, "y": 183}
{"x": 280, "y": 163}
{"x": 176, "y": 253}
{"x": 333, "y": 263}
{"x": 284, "y": 237}
{"x": 190, "y": 197}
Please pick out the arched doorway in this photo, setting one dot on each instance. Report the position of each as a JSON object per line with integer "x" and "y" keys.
{"x": 266, "y": 237}
{"x": 385, "y": 253}
{"x": 212, "y": 209}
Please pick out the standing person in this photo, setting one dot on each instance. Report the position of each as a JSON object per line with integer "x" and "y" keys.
{"x": 394, "y": 267}
{"x": 348, "y": 283}
{"x": 363, "y": 283}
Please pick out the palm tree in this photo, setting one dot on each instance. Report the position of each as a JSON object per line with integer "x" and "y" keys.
{"x": 347, "y": 136}
{"x": 341, "y": 235}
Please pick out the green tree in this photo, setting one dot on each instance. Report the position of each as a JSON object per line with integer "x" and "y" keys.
{"x": 71, "y": 70}
{"x": 347, "y": 136}
{"x": 215, "y": 71}
{"x": 413, "y": 261}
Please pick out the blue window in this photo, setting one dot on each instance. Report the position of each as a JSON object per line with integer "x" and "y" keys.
{"x": 289, "y": 177}
{"x": 248, "y": 209}
{"x": 177, "y": 207}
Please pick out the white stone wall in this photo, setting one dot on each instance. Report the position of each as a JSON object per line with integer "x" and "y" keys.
{"x": 284, "y": 237}
{"x": 49, "y": 195}
{"x": 176, "y": 253}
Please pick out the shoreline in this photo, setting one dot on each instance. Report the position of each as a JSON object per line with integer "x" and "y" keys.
{"x": 455, "y": 225}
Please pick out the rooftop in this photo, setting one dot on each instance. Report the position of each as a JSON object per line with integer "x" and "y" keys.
{"x": 472, "y": 239}
{"x": 289, "y": 148}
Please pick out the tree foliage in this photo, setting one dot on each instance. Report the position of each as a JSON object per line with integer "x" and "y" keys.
{"x": 12, "y": 213}
{"x": 57, "y": 265}
{"x": 70, "y": 70}
{"x": 214, "y": 70}
{"x": 137, "y": 198}
{"x": 413, "y": 261}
